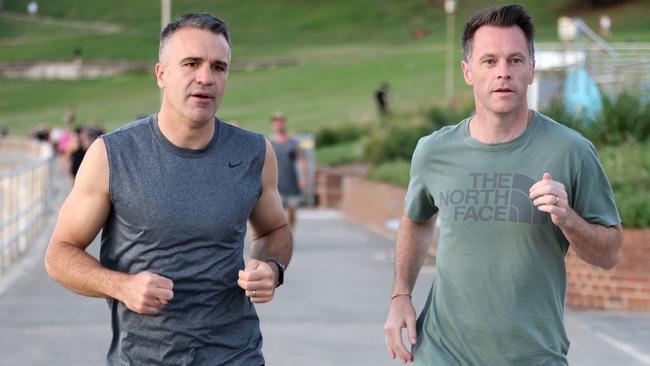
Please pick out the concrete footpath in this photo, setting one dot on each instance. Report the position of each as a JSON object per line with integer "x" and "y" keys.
{"x": 330, "y": 312}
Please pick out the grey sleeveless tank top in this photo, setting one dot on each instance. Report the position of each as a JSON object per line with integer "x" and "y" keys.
{"x": 182, "y": 214}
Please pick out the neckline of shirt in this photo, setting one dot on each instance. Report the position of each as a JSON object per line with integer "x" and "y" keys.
{"x": 508, "y": 145}
{"x": 182, "y": 151}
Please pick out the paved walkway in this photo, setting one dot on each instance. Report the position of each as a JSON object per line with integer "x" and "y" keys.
{"x": 330, "y": 311}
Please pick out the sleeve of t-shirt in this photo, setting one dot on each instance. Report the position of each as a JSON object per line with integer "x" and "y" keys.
{"x": 594, "y": 199}
{"x": 419, "y": 204}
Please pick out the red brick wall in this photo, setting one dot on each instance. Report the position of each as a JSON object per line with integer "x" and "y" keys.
{"x": 329, "y": 183}
{"x": 625, "y": 287}
{"x": 329, "y": 189}
{"x": 372, "y": 203}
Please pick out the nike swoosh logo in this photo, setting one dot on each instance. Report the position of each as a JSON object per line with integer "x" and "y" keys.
{"x": 231, "y": 165}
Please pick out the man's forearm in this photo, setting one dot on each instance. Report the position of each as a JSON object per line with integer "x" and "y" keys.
{"x": 277, "y": 244}
{"x": 595, "y": 244}
{"x": 413, "y": 239}
{"x": 78, "y": 271}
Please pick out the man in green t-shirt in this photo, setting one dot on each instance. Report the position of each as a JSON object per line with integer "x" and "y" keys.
{"x": 512, "y": 189}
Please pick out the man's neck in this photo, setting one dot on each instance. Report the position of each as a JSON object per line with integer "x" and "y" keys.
{"x": 185, "y": 134}
{"x": 492, "y": 128}
{"x": 281, "y": 138}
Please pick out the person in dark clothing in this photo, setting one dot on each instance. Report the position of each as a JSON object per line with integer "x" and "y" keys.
{"x": 382, "y": 98}
{"x": 173, "y": 215}
{"x": 84, "y": 139}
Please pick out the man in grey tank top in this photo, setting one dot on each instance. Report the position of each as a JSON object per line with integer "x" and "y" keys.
{"x": 172, "y": 194}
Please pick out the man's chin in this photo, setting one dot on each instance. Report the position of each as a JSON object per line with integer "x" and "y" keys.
{"x": 505, "y": 108}
{"x": 200, "y": 119}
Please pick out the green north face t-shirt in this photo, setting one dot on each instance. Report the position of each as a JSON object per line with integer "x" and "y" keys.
{"x": 498, "y": 296}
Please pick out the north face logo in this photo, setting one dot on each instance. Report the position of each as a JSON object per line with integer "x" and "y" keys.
{"x": 493, "y": 197}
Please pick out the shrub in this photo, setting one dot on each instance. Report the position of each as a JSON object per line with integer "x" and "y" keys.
{"x": 342, "y": 133}
{"x": 340, "y": 154}
{"x": 395, "y": 143}
{"x": 558, "y": 112}
{"x": 439, "y": 117}
{"x": 623, "y": 118}
{"x": 628, "y": 169}
{"x": 632, "y": 205}
{"x": 394, "y": 172}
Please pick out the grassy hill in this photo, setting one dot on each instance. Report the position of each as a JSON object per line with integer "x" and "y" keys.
{"x": 343, "y": 49}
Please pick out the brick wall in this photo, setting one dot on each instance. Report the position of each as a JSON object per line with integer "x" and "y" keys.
{"x": 329, "y": 183}
{"x": 625, "y": 287}
{"x": 372, "y": 203}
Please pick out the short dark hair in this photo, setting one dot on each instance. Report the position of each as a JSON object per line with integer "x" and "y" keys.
{"x": 504, "y": 16}
{"x": 202, "y": 21}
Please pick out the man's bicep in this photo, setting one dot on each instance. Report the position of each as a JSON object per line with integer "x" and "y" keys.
{"x": 87, "y": 206}
{"x": 268, "y": 213}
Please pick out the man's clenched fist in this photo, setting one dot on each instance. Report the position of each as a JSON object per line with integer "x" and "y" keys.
{"x": 146, "y": 292}
{"x": 259, "y": 280}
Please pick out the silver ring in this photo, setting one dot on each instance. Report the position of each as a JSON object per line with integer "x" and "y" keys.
{"x": 557, "y": 200}
{"x": 254, "y": 293}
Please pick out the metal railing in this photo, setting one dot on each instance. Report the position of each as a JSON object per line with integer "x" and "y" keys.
{"x": 615, "y": 67}
{"x": 24, "y": 198}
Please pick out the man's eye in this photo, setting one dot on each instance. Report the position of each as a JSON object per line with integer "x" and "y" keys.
{"x": 488, "y": 61}
{"x": 191, "y": 64}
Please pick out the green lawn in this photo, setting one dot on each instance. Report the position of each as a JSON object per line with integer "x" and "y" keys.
{"x": 344, "y": 49}
{"x": 273, "y": 28}
{"x": 318, "y": 92}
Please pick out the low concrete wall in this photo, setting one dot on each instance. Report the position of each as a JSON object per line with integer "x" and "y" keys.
{"x": 625, "y": 287}
{"x": 96, "y": 69}
{"x": 63, "y": 70}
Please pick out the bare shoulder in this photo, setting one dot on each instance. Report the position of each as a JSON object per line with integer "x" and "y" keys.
{"x": 87, "y": 206}
{"x": 94, "y": 173}
{"x": 270, "y": 162}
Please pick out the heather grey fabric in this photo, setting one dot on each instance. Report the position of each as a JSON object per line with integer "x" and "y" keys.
{"x": 182, "y": 214}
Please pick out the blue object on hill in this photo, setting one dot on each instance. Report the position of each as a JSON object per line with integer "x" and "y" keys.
{"x": 581, "y": 94}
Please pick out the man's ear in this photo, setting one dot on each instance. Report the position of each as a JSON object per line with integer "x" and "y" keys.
{"x": 159, "y": 70}
{"x": 467, "y": 72}
{"x": 532, "y": 74}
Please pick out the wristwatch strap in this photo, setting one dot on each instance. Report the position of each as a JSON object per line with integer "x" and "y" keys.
{"x": 280, "y": 269}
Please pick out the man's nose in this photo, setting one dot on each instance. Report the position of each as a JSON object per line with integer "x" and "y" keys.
{"x": 503, "y": 70}
{"x": 204, "y": 74}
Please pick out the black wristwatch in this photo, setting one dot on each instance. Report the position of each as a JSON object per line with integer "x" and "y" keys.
{"x": 280, "y": 269}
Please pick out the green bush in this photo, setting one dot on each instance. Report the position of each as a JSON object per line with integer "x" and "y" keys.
{"x": 628, "y": 169}
{"x": 439, "y": 117}
{"x": 632, "y": 205}
{"x": 394, "y": 143}
{"x": 334, "y": 135}
{"x": 623, "y": 118}
{"x": 394, "y": 172}
{"x": 340, "y": 154}
{"x": 397, "y": 142}
{"x": 558, "y": 112}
